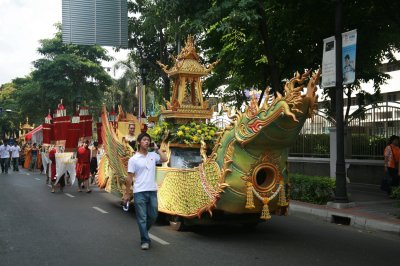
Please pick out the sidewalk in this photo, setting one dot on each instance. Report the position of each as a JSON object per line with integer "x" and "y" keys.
{"x": 373, "y": 210}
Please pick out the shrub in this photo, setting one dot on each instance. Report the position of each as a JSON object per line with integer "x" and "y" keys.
{"x": 396, "y": 193}
{"x": 313, "y": 189}
{"x": 311, "y": 144}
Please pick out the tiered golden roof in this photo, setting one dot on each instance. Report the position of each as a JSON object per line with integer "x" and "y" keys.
{"x": 187, "y": 96}
{"x": 26, "y": 127}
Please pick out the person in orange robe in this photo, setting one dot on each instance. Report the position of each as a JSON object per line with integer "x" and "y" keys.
{"x": 27, "y": 162}
{"x": 39, "y": 159}
{"x": 83, "y": 166}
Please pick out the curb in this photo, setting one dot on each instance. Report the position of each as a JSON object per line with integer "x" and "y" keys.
{"x": 353, "y": 217}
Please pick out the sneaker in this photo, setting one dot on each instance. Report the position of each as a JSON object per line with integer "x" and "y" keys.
{"x": 145, "y": 246}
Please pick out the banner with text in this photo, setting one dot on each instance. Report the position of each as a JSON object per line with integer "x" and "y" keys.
{"x": 349, "y": 41}
{"x": 329, "y": 63}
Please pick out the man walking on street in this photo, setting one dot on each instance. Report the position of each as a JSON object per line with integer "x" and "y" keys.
{"x": 5, "y": 154}
{"x": 142, "y": 173}
{"x": 15, "y": 150}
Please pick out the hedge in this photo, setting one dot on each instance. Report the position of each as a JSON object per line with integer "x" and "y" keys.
{"x": 312, "y": 189}
{"x": 395, "y": 193}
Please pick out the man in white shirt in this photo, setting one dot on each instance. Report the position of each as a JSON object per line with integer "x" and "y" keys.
{"x": 142, "y": 173}
{"x": 5, "y": 154}
{"x": 15, "y": 156}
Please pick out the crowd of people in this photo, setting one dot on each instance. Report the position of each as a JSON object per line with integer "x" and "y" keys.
{"x": 36, "y": 157}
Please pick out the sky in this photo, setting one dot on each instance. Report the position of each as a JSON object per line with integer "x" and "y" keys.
{"x": 22, "y": 24}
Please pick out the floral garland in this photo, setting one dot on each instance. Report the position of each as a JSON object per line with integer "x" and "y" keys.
{"x": 189, "y": 133}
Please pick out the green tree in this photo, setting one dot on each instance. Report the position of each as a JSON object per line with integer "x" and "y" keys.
{"x": 71, "y": 72}
{"x": 157, "y": 32}
{"x": 262, "y": 42}
{"x": 10, "y": 116}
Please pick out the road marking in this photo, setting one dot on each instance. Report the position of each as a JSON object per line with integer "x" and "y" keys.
{"x": 37, "y": 178}
{"x": 28, "y": 174}
{"x": 69, "y": 195}
{"x": 100, "y": 210}
{"x": 159, "y": 240}
{"x": 49, "y": 185}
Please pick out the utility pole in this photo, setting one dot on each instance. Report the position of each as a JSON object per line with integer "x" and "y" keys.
{"x": 341, "y": 189}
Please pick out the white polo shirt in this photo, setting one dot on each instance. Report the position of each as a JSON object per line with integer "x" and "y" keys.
{"x": 144, "y": 168}
{"x": 5, "y": 151}
{"x": 15, "y": 151}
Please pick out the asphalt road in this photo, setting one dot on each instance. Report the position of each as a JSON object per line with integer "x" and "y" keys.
{"x": 71, "y": 228}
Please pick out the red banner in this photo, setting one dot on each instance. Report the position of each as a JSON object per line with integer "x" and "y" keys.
{"x": 61, "y": 125}
{"x": 85, "y": 124}
{"x": 48, "y": 133}
{"x": 73, "y": 137}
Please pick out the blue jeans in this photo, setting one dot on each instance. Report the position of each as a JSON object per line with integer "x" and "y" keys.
{"x": 146, "y": 207}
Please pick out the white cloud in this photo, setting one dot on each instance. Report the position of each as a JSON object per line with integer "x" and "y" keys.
{"x": 22, "y": 24}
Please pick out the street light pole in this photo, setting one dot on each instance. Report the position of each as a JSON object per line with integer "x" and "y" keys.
{"x": 341, "y": 190}
{"x": 142, "y": 91}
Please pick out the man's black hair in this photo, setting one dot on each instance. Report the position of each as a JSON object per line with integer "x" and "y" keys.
{"x": 392, "y": 138}
{"x": 142, "y": 135}
{"x": 347, "y": 57}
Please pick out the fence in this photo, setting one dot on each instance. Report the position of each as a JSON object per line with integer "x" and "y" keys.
{"x": 313, "y": 140}
{"x": 371, "y": 127}
{"x": 368, "y": 128}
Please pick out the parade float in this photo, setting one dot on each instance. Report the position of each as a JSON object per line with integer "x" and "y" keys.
{"x": 239, "y": 173}
{"x": 65, "y": 132}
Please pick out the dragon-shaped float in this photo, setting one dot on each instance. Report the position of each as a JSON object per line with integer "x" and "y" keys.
{"x": 242, "y": 175}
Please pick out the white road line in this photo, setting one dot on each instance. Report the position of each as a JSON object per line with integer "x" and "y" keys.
{"x": 37, "y": 178}
{"x": 159, "y": 240}
{"x": 28, "y": 174}
{"x": 100, "y": 210}
{"x": 69, "y": 195}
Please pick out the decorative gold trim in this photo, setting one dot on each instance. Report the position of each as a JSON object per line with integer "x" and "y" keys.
{"x": 275, "y": 178}
{"x": 227, "y": 161}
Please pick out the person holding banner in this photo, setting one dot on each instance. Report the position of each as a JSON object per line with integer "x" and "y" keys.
{"x": 52, "y": 174}
{"x": 83, "y": 166}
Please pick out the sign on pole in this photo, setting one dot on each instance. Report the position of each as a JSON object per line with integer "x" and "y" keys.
{"x": 349, "y": 41}
{"x": 329, "y": 63}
